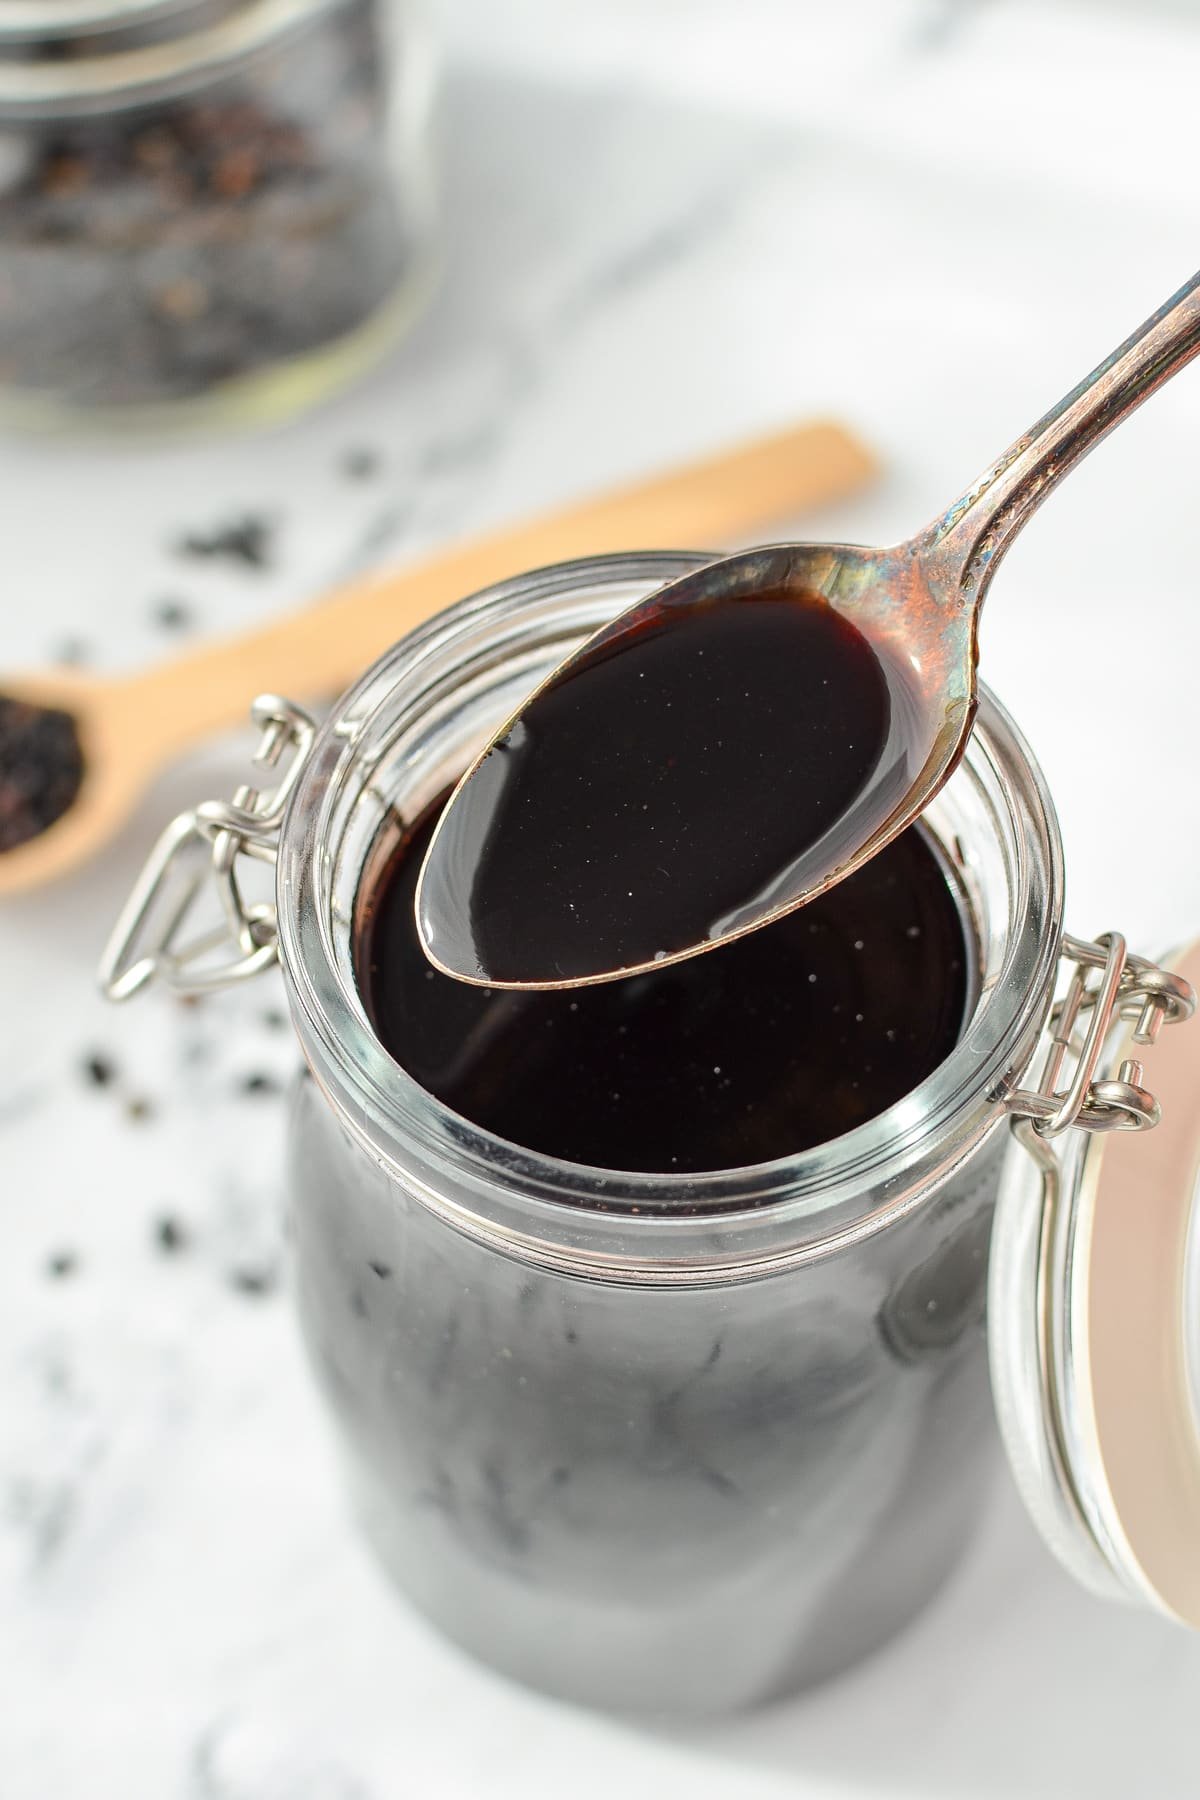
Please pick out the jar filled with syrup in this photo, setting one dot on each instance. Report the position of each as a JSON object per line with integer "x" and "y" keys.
{"x": 653, "y": 1317}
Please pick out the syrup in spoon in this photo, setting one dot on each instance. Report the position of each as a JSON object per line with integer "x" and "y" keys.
{"x": 747, "y": 736}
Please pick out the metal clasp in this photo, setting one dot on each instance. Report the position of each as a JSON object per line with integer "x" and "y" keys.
{"x": 1107, "y": 983}
{"x": 198, "y": 850}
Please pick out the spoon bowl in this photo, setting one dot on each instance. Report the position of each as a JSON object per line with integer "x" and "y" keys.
{"x": 543, "y": 879}
{"x": 608, "y": 922}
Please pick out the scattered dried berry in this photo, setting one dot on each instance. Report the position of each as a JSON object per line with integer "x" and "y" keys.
{"x": 259, "y": 1083}
{"x": 256, "y": 1283}
{"x": 100, "y": 1070}
{"x": 173, "y": 615}
{"x": 171, "y": 1235}
{"x": 247, "y": 540}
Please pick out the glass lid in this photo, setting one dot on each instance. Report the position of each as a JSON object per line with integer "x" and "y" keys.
{"x": 1094, "y": 1336}
{"x": 57, "y": 18}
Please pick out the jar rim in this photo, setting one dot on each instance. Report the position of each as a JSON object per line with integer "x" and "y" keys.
{"x": 629, "y": 1225}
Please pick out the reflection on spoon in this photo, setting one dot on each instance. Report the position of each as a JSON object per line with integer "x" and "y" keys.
{"x": 745, "y": 737}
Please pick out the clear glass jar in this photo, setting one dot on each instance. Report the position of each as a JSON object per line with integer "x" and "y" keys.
{"x": 659, "y": 1442}
{"x": 219, "y": 206}
{"x": 688, "y": 1442}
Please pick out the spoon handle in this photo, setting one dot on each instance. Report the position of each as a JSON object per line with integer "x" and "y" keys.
{"x": 316, "y": 652}
{"x": 966, "y": 544}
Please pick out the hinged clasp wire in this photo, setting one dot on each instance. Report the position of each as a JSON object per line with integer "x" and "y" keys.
{"x": 206, "y": 846}
{"x": 1107, "y": 983}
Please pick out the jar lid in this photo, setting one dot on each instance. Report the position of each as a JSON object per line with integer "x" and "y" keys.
{"x": 1094, "y": 1337}
{"x": 58, "y": 18}
{"x": 33, "y": 22}
{"x": 93, "y": 56}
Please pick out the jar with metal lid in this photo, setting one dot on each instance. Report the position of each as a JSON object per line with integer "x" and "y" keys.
{"x": 689, "y": 1442}
{"x": 220, "y": 206}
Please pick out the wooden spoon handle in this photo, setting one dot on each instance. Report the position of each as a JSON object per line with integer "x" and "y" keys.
{"x": 319, "y": 651}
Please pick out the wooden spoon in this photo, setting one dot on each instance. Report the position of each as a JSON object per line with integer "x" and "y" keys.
{"x": 129, "y": 726}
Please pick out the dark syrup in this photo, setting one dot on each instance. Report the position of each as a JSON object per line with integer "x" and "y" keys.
{"x": 757, "y": 1050}
{"x": 657, "y": 789}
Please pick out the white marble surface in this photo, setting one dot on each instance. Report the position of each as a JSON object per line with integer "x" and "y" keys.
{"x": 670, "y": 223}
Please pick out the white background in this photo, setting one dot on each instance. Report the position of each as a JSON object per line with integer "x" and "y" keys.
{"x": 669, "y": 223}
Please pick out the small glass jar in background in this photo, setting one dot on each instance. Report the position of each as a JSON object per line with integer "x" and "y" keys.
{"x": 217, "y": 206}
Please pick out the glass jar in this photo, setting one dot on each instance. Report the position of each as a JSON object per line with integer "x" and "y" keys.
{"x": 671, "y": 1442}
{"x": 217, "y": 205}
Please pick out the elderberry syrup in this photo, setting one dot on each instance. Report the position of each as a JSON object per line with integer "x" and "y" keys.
{"x": 650, "y": 1317}
{"x": 768, "y": 1046}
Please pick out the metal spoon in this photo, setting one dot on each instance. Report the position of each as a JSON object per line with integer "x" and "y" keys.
{"x": 917, "y": 605}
